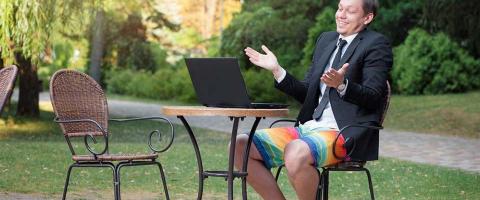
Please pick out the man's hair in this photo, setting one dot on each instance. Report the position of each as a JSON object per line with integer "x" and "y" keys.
{"x": 370, "y": 6}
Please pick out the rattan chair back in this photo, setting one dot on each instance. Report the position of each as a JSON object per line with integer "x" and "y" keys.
{"x": 7, "y": 81}
{"x": 387, "y": 103}
{"x": 76, "y": 96}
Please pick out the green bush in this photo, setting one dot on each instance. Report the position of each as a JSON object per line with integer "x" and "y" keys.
{"x": 165, "y": 84}
{"x": 260, "y": 84}
{"x": 427, "y": 64}
{"x": 325, "y": 21}
{"x": 284, "y": 35}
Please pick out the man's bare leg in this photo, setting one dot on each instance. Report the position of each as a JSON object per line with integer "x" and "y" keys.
{"x": 259, "y": 177}
{"x": 301, "y": 172}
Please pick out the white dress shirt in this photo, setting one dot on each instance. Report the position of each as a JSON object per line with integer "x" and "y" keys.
{"x": 327, "y": 120}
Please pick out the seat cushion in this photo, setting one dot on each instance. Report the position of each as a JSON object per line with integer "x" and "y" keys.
{"x": 115, "y": 157}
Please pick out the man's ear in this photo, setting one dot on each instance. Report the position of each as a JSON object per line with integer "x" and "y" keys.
{"x": 368, "y": 18}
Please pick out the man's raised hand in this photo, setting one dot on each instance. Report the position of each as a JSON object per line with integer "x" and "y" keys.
{"x": 267, "y": 61}
{"x": 334, "y": 78}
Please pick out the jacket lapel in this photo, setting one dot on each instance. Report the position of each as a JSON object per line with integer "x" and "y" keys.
{"x": 321, "y": 63}
{"x": 351, "y": 48}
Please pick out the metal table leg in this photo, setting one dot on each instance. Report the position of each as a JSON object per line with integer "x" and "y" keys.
{"x": 201, "y": 176}
{"x": 231, "y": 158}
{"x": 230, "y": 174}
{"x": 245, "y": 156}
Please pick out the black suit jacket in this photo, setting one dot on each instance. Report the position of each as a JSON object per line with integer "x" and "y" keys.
{"x": 370, "y": 60}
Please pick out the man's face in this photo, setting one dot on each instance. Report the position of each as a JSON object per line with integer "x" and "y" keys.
{"x": 350, "y": 17}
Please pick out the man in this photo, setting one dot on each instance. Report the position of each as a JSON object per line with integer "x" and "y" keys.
{"x": 346, "y": 84}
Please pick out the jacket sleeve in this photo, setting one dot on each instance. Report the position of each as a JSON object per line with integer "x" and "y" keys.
{"x": 377, "y": 62}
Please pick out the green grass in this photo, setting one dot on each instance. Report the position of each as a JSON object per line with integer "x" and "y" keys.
{"x": 450, "y": 114}
{"x": 34, "y": 159}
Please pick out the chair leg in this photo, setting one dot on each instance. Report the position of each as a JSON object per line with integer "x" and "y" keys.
{"x": 122, "y": 164}
{"x": 319, "y": 187}
{"x": 88, "y": 165}
{"x": 370, "y": 185}
{"x": 164, "y": 181}
{"x": 325, "y": 180}
{"x": 115, "y": 183}
{"x": 278, "y": 172}
{"x": 117, "y": 176}
{"x": 65, "y": 187}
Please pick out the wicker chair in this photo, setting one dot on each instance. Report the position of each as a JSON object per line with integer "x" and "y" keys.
{"x": 7, "y": 81}
{"x": 352, "y": 165}
{"x": 81, "y": 110}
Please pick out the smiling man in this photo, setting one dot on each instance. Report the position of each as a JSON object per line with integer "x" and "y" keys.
{"x": 346, "y": 84}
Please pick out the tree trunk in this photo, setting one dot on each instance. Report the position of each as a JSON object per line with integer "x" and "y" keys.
{"x": 29, "y": 87}
{"x": 97, "y": 46}
{"x": 209, "y": 9}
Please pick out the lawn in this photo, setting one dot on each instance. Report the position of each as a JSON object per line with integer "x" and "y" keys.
{"x": 449, "y": 114}
{"x": 35, "y": 158}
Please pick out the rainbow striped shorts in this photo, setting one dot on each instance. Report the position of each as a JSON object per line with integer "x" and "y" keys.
{"x": 271, "y": 144}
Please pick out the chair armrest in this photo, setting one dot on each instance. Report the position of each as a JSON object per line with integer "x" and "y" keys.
{"x": 161, "y": 136}
{"x": 282, "y": 120}
{"x": 85, "y": 138}
{"x": 353, "y": 139}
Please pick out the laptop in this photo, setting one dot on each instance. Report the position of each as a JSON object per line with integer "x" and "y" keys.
{"x": 218, "y": 82}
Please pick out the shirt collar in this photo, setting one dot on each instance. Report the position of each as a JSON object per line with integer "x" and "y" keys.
{"x": 349, "y": 38}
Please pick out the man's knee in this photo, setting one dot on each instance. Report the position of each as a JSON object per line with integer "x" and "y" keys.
{"x": 297, "y": 156}
{"x": 242, "y": 139}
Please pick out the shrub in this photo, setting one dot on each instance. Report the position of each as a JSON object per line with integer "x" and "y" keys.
{"x": 260, "y": 84}
{"x": 165, "y": 84}
{"x": 325, "y": 21}
{"x": 427, "y": 64}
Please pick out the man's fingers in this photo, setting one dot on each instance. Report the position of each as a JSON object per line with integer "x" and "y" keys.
{"x": 266, "y": 50}
{"x": 249, "y": 54}
{"x": 344, "y": 68}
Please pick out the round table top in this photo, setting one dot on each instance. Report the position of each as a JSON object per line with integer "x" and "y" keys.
{"x": 231, "y": 112}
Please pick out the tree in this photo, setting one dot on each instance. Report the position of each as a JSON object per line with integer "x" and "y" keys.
{"x": 25, "y": 28}
{"x": 120, "y": 35}
{"x": 457, "y": 18}
{"x": 280, "y": 25}
{"x": 97, "y": 45}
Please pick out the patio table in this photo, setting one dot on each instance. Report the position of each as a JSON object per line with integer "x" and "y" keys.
{"x": 235, "y": 114}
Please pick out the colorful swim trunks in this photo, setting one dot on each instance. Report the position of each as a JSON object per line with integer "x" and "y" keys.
{"x": 271, "y": 144}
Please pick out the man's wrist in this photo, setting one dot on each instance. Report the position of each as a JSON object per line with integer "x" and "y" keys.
{"x": 277, "y": 72}
{"x": 342, "y": 86}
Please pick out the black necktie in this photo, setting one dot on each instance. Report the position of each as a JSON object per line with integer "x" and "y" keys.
{"x": 325, "y": 97}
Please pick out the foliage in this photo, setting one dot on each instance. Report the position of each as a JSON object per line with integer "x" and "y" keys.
{"x": 261, "y": 87}
{"x": 325, "y": 21}
{"x": 427, "y": 64}
{"x": 26, "y": 26}
{"x": 396, "y": 18}
{"x": 165, "y": 84}
{"x": 62, "y": 55}
{"x": 457, "y": 18}
{"x": 280, "y": 26}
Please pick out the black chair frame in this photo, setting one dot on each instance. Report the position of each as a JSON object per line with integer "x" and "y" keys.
{"x": 116, "y": 167}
